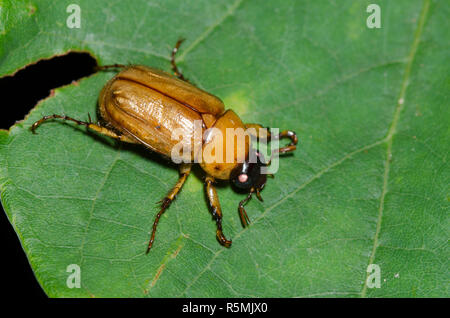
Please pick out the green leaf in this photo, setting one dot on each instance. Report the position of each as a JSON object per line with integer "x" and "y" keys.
{"x": 368, "y": 183}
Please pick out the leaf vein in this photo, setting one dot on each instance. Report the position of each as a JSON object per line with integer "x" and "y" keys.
{"x": 392, "y": 130}
{"x": 91, "y": 212}
{"x": 302, "y": 186}
{"x": 209, "y": 30}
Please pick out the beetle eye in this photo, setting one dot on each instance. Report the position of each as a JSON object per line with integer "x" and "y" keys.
{"x": 243, "y": 178}
{"x": 239, "y": 177}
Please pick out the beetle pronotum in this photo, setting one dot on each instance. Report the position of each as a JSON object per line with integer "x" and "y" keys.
{"x": 143, "y": 105}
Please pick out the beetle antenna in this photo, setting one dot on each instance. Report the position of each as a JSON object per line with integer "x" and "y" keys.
{"x": 258, "y": 195}
{"x": 242, "y": 213}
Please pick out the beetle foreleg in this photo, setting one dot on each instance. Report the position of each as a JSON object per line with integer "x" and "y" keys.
{"x": 287, "y": 134}
{"x": 185, "y": 169}
{"x": 102, "y": 130}
{"x": 214, "y": 203}
{"x": 260, "y": 131}
{"x": 265, "y": 134}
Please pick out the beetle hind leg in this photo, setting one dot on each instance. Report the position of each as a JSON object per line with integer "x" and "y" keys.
{"x": 185, "y": 169}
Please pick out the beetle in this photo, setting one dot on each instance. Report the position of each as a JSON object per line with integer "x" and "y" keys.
{"x": 143, "y": 105}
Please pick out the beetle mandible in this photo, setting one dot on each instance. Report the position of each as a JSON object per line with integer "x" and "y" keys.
{"x": 142, "y": 105}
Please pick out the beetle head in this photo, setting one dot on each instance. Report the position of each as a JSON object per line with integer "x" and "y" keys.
{"x": 248, "y": 176}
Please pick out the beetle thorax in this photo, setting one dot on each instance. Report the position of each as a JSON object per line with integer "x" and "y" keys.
{"x": 225, "y": 146}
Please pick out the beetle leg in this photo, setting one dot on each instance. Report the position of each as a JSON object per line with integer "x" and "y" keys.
{"x": 287, "y": 134}
{"x": 265, "y": 134}
{"x": 216, "y": 210}
{"x": 101, "y": 130}
{"x": 185, "y": 169}
{"x": 105, "y": 67}
{"x": 175, "y": 69}
{"x": 260, "y": 131}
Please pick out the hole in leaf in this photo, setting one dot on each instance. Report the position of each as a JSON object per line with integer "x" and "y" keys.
{"x": 28, "y": 86}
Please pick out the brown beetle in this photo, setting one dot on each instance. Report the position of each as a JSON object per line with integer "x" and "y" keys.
{"x": 143, "y": 105}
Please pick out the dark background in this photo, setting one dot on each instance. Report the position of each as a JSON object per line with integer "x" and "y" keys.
{"x": 24, "y": 90}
